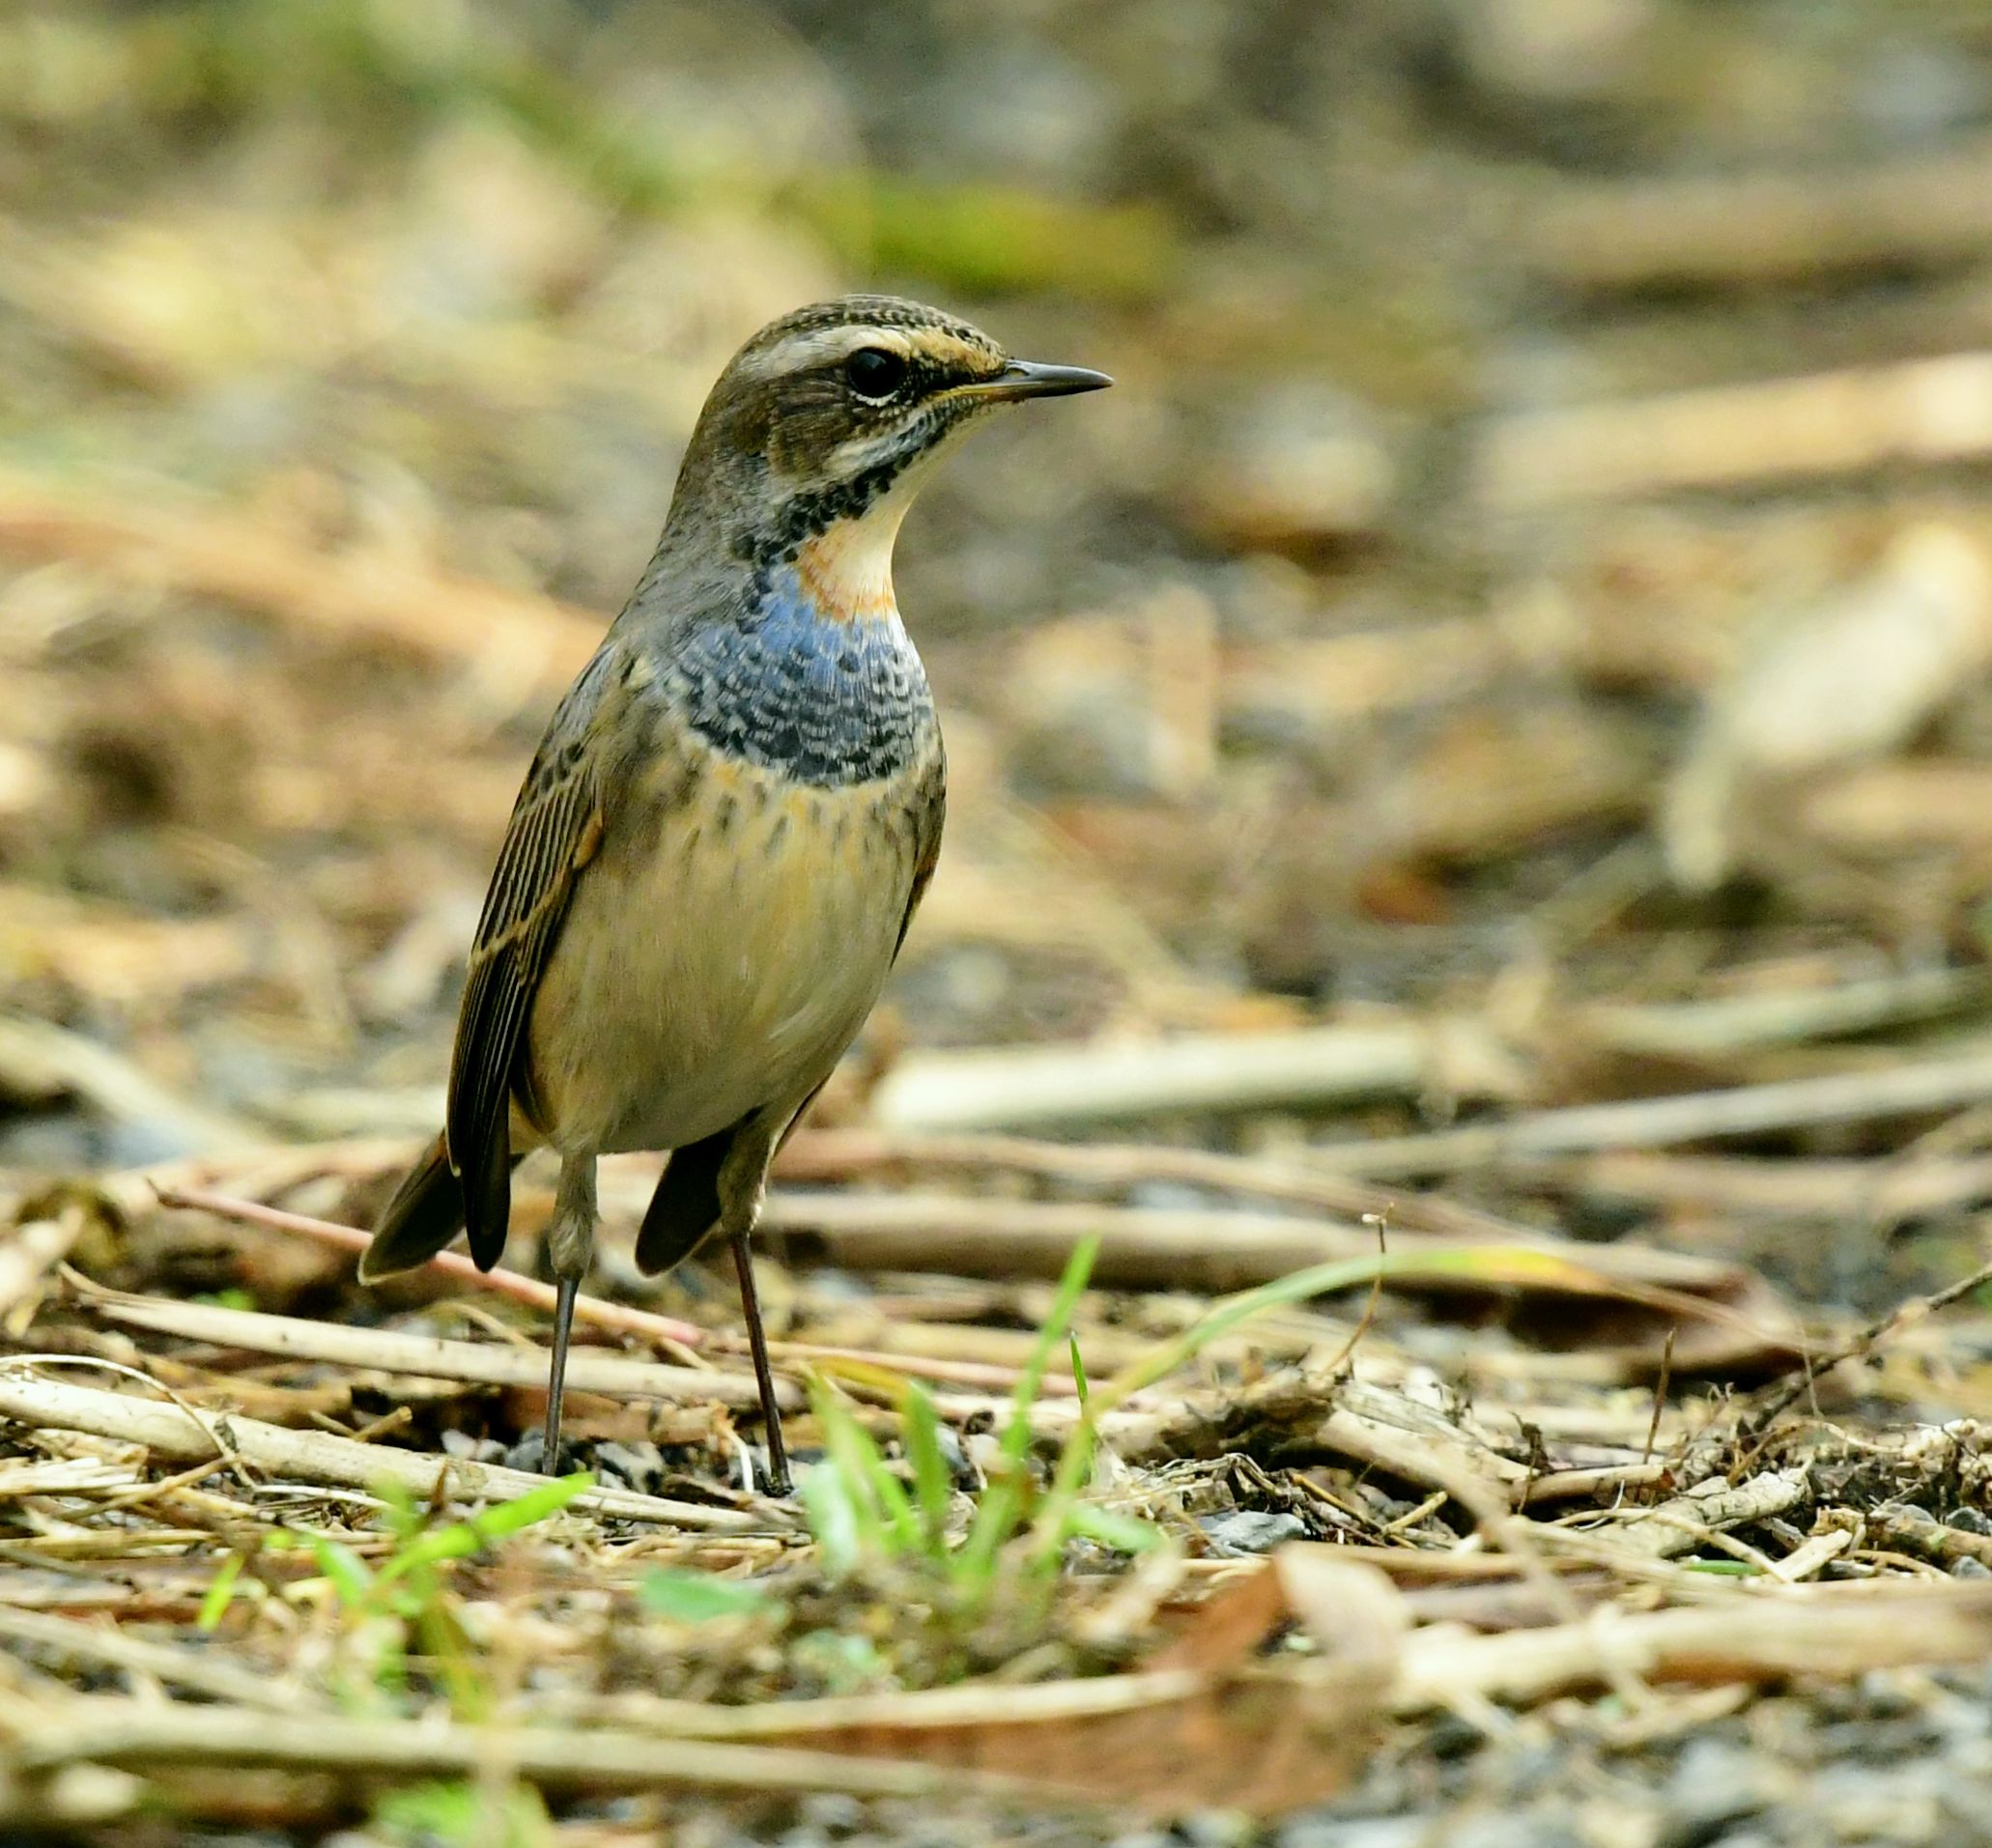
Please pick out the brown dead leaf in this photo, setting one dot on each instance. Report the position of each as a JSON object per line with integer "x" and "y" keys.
{"x": 1227, "y": 1625}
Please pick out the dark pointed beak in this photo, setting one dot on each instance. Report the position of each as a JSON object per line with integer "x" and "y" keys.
{"x": 1028, "y": 379}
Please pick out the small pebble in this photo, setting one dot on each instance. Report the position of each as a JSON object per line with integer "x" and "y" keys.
{"x": 835, "y": 1810}
{"x": 640, "y": 1464}
{"x": 528, "y": 1453}
{"x": 1247, "y": 1530}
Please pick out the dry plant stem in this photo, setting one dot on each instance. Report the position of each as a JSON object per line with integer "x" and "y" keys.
{"x": 969, "y": 1704}
{"x": 32, "y": 1252}
{"x": 1905, "y": 1089}
{"x": 1801, "y": 1381}
{"x": 1736, "y": 1638}
{"x": 1038, "y": 1087}
{"x": 451, "y": 1263}
{"x": 433, "y": 1358}
{"x": 975, "y": 1236}
{"x": 1686, "y": 1521}
{"x": 1577, "y": 1485}
{"x": 1884, "y": 1188}
{"x": 1728, "y": 1025}
{"x": 838, "y": 1154}
{"x": 39, "y": 1058}
{"x": 198, "y": 1673}
{"x": 1041, "y": 1087}
{"x": 1845, "y": 422}
{"x": 614, "y": 1317}
{"x": 1750, "y": 228}
{"x": 315, "y": 1456}
{"x": 125, "y": 1732}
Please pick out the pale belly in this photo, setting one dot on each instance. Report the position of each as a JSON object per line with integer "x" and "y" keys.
{"x": 719, "y": 960}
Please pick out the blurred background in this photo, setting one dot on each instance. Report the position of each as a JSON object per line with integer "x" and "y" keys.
{"x": 1535, "y": 558}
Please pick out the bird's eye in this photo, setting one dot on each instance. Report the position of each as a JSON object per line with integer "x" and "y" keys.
{"x": 871, "y": 372}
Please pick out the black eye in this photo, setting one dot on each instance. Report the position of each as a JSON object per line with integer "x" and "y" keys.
{"x": 872, "y": 372}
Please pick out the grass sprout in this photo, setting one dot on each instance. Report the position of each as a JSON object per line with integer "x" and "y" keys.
{"x": 860, "y": 1508}
{"x": 403, "y": 1607}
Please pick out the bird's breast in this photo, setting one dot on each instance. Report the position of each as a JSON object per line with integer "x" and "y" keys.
{"x": 723, "y": 948}
{"x": 824, "y": 696}
{"x": 739, "y": 919}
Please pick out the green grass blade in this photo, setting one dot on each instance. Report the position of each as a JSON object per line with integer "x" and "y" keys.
{"x": 932, "y": 1485}
{"x": 885, "y": 1517}
{"x": 689, "y": 1597}
{"x": 1001, "y": 1509}
{"x": 1016, "y": 1435}
{"x": 344, "y": 1568}
{"x": 833, "y": 1520}
{"x": 221, "y": 1594}
{"x": 463, "y": 1538}
{"x": 1493, "y": 1263}
{"x": 534, "y": 1505}
{"x": 1124, "y": 1533}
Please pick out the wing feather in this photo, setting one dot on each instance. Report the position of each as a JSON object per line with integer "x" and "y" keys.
{"x": 930, "y": 814}
{"x": 555, "y": 830}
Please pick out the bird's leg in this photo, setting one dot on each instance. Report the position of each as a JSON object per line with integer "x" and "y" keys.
{"x": 570, "y": 1245}
{"x": 763, "y": 1373}
{"x": 743, "y": 1183}
{"x": 567, "y": 1288}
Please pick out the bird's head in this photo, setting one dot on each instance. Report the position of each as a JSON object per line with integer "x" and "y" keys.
{"x": 818, "y": 433}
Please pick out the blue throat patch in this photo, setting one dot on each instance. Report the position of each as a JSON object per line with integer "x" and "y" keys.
{"x": 817, "y": 699}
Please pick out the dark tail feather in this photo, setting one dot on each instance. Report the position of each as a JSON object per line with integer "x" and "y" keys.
{"x": 489, "y": 1172}
{"x": 686, "y": 1205}
{"x": 426, "y": 1212}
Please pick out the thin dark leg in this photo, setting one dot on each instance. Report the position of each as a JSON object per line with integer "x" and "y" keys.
{"x": 765, "y": 1375}
{"x": 556, "y": 1380}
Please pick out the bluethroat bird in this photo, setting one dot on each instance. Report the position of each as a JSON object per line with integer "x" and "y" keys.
{"x": 729, "y": 824}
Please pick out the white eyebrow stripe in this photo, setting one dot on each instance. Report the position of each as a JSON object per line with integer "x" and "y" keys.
{"x": 822, "y": 346}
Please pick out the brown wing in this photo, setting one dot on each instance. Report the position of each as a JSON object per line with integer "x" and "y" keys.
{"x": 555, "y": 830}
{"x": 930, "y": 816}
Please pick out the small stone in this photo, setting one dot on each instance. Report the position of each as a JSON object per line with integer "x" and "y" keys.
{"x": 833, "y": 1810}
{"x": 639, "y": 1464}
{"x": 528, "y": 1453}
{"x": 1247, "y": 1530}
